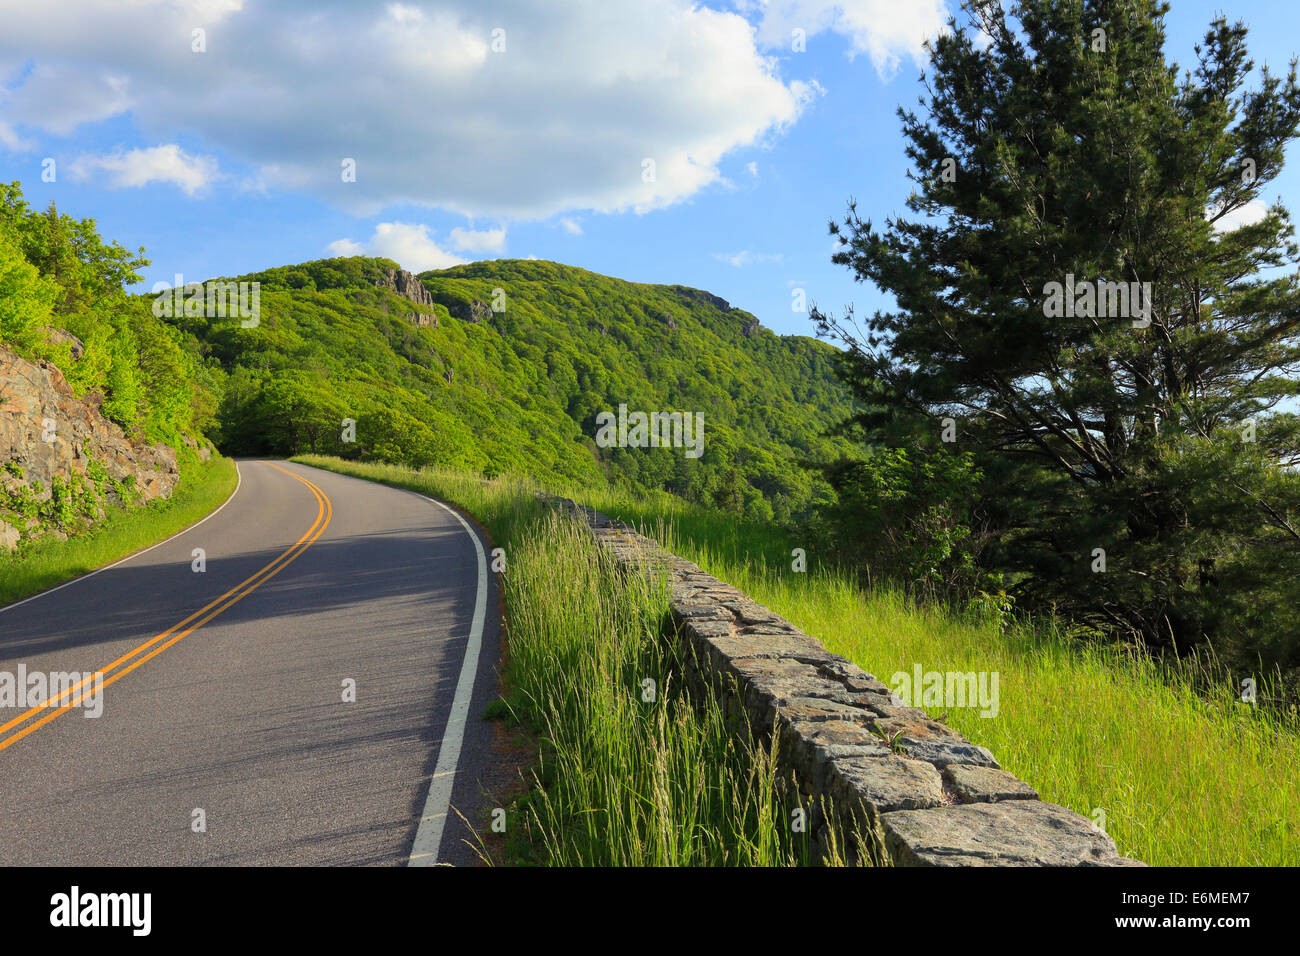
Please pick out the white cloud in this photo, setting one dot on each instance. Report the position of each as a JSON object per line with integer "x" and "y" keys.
{"x": 10, "y": 140}
{"x": 435, "y": 44}
{"x": 886, "y": 30}
{"x": 486, "y": 240}
{"x": 407, "y": 244}
{"x": 559, "y": 122}
{"x": 571, "y": 226}
{"x": 345, "y": 247}
{"x": 753, "y": 169}
{"x": 139, "y": 167}
{"x": 745, "y": 257}
{"x": 1247, "y": 215}
{"x": 60, "y": 97}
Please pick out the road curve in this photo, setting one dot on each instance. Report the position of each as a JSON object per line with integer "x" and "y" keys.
{"x": 225, "y": 737}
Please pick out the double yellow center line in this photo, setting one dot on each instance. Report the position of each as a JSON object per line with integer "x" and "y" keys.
{"x": 53, "y": 708}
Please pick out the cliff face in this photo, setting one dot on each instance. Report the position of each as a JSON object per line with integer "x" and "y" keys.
{"x": 406, "y": 285}
{"x": 412, "y": 289}
{"x": 61, "y": 460}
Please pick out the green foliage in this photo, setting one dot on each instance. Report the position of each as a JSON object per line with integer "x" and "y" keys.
{"x": 1100, "y": 432}
{"x": 455, "y": 384}
{"x": 26, "y": 297}
{"x": 68, "y": 250}
{"x": 56, "y": 273}
{"x": 519, "y": 390}
{"x": 906, "y": 514}
{"x": 66, "y": 507}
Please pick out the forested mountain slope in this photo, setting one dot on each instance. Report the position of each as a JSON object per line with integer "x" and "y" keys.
{"x": 504, "y": 366}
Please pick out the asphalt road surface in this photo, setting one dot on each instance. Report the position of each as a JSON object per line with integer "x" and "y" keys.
{"x": 225, "y": 737}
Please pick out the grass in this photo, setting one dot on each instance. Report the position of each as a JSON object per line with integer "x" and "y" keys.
{"x": 630, "y": 772}
{"x": 121, "y": 532}
{"x": 1183, "y": 777}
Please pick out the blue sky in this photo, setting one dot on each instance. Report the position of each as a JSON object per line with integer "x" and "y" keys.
{"x": 472, "y": 145}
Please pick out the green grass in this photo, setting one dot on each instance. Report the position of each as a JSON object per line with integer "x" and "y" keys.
{"x": 1185, "y": 777}
{"x": 122, "y": 531}
{"x": 621, "y": 780}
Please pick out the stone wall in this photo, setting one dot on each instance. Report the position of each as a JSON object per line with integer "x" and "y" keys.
{"x": 904, "y": 788}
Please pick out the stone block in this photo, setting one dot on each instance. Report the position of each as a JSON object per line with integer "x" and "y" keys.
{"x": 1009, "y": 833}
{"x": 976, "y": 784}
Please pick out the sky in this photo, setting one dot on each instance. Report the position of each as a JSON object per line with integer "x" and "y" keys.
{"x": 658, "y": 141}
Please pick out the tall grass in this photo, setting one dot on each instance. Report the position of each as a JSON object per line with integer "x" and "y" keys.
{"x": 632, "y": 773}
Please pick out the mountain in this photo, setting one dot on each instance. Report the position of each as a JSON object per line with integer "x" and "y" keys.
{"x": 505, "y": 365}
{"x": 498, "y": 366}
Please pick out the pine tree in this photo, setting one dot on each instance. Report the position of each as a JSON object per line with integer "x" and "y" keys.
{"x": 58, "y": 259}
{"x": 1078, "y": 291}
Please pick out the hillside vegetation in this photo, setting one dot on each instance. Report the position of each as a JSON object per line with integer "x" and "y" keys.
{"x": 63, "y": 301}
{"x": 57, "y": 275}
{"x": 458, "y": 384}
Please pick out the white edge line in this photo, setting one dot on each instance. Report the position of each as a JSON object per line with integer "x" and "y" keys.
{"x": 239, "y": 480}
{"x": 428, "y": 836}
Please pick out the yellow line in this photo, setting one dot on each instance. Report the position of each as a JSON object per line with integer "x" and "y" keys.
{"x": 324, "y": 514}
{"x": 147, "y": 644}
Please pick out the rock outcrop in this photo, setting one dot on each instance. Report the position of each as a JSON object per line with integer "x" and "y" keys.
{"x": 59, "y": 336}
{"x": 409, "y": 287}
{"x": 406, "y": 285}
{"x": 48, "y": 435}
{"x": 474, "y": 311}
{"x": 699, "y": 295}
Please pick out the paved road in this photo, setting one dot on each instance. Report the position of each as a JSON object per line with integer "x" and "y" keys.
{"x": 224, "y": 690}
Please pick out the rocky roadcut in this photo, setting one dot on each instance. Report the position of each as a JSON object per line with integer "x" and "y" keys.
{"x": 50, "y": 438}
